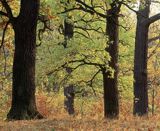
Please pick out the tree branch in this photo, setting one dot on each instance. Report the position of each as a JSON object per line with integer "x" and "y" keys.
{"x": 152, "y": 19}
{"x": 153, "y": 52}
{"x": 77, "y": 8}
{"x": 7, "y": 8}
{"x": 3, "y": 13}
{"x": 91, "y": 8}
{"x": 128, "y": 6}
{"x": 3, "y": 35}
{"x": 154, "y": 39}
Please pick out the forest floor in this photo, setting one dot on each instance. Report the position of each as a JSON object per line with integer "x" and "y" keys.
{"x": 71, "y": 124}
{"x": 88, "y": 117}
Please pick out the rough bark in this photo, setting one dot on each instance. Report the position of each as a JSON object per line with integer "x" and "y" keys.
{"x": 23, "y": 89}
{"x": 140, "y": 61}
{"x": 111, "y": 104}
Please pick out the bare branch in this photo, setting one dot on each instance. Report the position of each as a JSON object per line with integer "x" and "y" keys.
{"x": 91, "y": 8}
{"x": 154, "y": 39}
{"x": 77, "y": 8}
{"x": 7, "y": 8}
{"x": 152, "y": 19}
{"x": 3, "y": 36}
{"x": 128, "y": 7}
{"x": 90, "y": 82}
{"x": 46, "y": 26}
{"x": 3, "y": 13}
{"x": 153, "y": 52}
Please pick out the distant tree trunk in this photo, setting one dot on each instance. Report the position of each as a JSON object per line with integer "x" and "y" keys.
{"x": 56, "y": 87}
{"x": 23, "y": 90}
{"x": 69, "y": 94}
{"x": 69, "y": 91}
{"x": 140, "y": 61}
{"x": 111, "y": 104}
{"x": 68, "y": 32}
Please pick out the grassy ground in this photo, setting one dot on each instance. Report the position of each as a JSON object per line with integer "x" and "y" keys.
{"x": 70, "y": 124}
{"x": 88, "y": 117}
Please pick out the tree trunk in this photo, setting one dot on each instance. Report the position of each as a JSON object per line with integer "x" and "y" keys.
{"x": 68, "y": 32}
{"x": 111, "y": 104}
{"x": 69, "y": 94}
{"x": 140, "y": 61}
{"x": 23, "y": 90}
{"x": 69, "y": 91}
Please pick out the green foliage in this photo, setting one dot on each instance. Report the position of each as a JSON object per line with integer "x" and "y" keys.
{"x": 89, "y": 44}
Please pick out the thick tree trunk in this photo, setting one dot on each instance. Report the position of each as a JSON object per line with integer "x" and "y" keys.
{"x": 23, "y": 90}
{"x": 111, "y": 105}
{"x": 140, "y": 62}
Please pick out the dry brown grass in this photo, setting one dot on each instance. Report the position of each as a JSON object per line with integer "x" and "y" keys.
{"x": 90, "y": 118}
{"x": 72, "y": 124}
